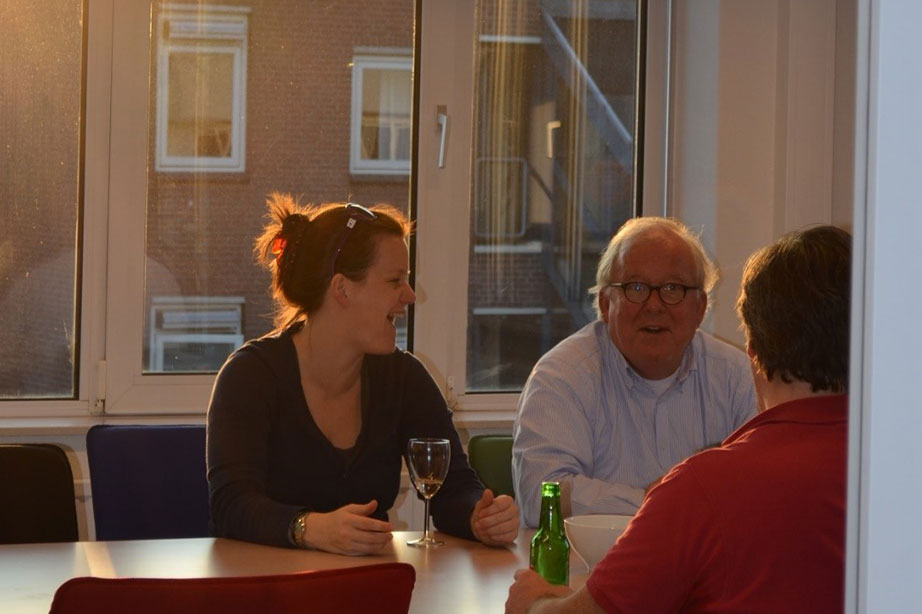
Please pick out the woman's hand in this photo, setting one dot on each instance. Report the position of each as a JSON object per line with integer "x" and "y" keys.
{"x": 495, "y": 520}
{"x": 348, "y": 530}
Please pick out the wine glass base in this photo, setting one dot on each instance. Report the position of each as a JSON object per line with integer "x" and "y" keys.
{"x": 425, "y": 542}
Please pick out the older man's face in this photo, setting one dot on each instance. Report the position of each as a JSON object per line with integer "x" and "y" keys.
{"x": 653, "y": 336}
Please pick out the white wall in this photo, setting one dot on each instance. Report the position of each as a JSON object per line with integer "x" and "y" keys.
{"x": 887, "y": 419}
{"x": 752, "y": 93}
{"x": 769, "y": 130}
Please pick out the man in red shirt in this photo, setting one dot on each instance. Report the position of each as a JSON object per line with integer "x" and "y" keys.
{"x": 757, "y": 524}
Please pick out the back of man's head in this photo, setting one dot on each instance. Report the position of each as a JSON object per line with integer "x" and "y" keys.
{"x": 794, "y": 305}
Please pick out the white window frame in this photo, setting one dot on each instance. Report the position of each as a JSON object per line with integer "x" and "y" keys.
{"x": 222, "y": 31}
{"x": 357, "y": 164}
{"x": 123, "y": 386}
{"x": 440, "y": 315}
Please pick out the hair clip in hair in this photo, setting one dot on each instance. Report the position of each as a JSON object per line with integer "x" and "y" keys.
{"x": 278, "y": 247}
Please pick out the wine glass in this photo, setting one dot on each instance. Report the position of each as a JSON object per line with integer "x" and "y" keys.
{"x": 427, "y": 460}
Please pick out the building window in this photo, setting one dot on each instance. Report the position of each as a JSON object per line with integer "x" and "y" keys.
{"x": 381, "y": 103}
{"x": 194, "y": 334}
{"x": 201, "y": 89}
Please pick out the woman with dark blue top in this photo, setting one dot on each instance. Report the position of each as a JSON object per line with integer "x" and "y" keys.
{"x": 307, "y": 426}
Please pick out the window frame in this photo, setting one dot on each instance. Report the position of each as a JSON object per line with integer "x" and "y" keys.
{"x": 360, "y": 63}
{"x": 123, "y": 386}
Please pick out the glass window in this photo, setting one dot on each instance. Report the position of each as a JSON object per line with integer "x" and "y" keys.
{"x": 239, "y": 98}
{"x": 553, "y": 171}
{"x": 503, "y": 335}
{"x": 41, "y": 75}
{"x": 382, "y": 93}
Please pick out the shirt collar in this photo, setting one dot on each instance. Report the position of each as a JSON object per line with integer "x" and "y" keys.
{"x": 824, "y": 409}
{"x": 688, "y": 365}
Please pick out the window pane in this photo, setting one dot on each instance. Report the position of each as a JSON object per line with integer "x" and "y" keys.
{"x": 200, "y": 94}
{"x": 288, "y": 65}
{"x": 553, "y": 171}
{"x": 200, "y": 87}
{"x": 503, "y": 338}
{"x": 41, "y": 70}
{"x": 386, "y": 114}
{"x": 381, "y": 107}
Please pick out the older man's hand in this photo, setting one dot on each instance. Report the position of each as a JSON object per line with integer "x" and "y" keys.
{"x": 495, "y": 520}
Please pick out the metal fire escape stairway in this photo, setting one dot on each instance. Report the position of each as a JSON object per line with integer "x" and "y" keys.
{"x": 582, "y": 225}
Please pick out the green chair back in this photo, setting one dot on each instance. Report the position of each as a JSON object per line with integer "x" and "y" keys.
{"x": 491, "y": 458}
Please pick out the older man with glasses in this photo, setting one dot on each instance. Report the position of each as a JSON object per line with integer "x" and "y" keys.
{"x": 609, "y": 410}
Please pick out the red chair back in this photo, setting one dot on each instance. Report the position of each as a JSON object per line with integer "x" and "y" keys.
{"x": 384, "y": 588}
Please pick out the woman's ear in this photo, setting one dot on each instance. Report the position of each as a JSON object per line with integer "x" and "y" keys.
{"x": 339, "y": 288}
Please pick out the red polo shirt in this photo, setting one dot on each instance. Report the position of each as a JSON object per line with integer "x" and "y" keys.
{"x": 756, "y": 525}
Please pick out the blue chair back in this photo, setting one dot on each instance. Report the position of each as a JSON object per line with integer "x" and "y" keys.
{"x": 148, "y": 481}
{"x": 38, "y": 502}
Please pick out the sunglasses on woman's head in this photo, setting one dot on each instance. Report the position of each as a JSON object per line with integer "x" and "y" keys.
{"x": 356, "y": 212}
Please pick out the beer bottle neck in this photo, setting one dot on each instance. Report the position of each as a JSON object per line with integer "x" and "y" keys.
{"x": 550, "y": 514}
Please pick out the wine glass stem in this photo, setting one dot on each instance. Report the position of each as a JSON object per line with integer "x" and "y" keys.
{"x": 426, "y": 520}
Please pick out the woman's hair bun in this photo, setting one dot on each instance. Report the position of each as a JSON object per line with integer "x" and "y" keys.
{"x": 292, "y": 223}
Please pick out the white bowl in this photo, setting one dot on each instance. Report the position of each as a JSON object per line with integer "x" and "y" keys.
{"x": 592, "y": 536}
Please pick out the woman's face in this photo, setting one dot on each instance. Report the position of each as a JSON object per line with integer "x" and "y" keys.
{"x": 377, "y": 301}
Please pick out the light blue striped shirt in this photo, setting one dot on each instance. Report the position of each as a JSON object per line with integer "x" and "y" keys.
{"x": 589, "y": 421}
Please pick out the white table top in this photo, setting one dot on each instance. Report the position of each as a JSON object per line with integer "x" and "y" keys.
{"x": 463, "y": 576}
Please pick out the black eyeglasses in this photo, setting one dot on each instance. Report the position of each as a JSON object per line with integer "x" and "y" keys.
{"x": 356, "y": 212}
{"x": 638, "y": 292}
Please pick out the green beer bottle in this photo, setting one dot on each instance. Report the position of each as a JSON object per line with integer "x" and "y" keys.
{"x": 550, "y": 549}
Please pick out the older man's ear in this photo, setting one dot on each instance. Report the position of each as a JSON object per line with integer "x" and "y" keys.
{"x": 702, "y": 305}
{"x": 604, "y": 302}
